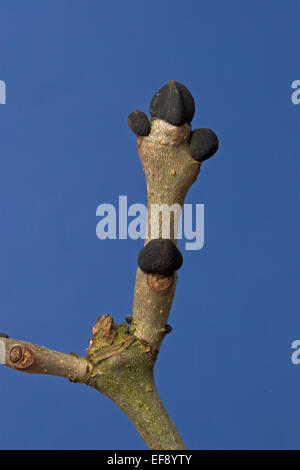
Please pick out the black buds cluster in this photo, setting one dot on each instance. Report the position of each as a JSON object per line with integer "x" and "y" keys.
{"x": 160, "y": 256}
{"x": 139, "y": 123}
{"x": 173, "y": 103}
{"x": 3, "y": 335}
{"x": 203, "y": 144}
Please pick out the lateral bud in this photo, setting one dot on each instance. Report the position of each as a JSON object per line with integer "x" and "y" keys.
{"x": 160, "y": 256}
{"x": 203, "y": 144}
{"x": 139, "y": 123}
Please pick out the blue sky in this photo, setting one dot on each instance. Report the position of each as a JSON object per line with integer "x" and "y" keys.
{"x": 74, "y": 70}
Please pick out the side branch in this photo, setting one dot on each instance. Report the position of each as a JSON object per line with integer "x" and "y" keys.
{"x": 33, "y": 359}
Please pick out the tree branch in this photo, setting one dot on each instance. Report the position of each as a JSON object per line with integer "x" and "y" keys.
{"x": 27, "y": 357}
{"x": 126, "y": 377}
{"x": 120, "y": 360}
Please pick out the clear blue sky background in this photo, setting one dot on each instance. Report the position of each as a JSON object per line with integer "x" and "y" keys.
{"x": 74, "y": 70}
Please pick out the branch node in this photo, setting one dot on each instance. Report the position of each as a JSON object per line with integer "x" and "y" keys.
{"x": 21, "y": 356}
{"x": 160, "y": 283}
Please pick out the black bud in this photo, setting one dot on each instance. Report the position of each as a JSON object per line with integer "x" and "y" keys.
{"x": 203, "y": 144}
{"x": 160, "y": 256}
{"x": 188, "y": 102}
{"x": 128, "y": 319}
{"x": 173, "y": 103}
{"x": 3, "y": 335}
{"x": 139, "y": 123}
{"x": 168, "y": 329}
